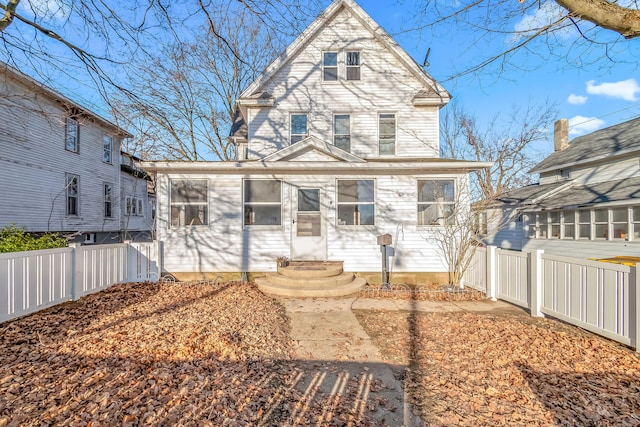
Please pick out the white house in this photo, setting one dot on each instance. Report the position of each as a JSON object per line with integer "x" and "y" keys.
{"x": 587, "y": 202}
{"x": 338, "y": 142}
{"x": 59, "y": 163}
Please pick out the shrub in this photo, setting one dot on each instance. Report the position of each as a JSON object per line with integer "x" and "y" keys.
{"x": 16, "y": 239}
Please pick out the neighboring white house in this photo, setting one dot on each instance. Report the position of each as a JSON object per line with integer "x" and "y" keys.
{"x": 338, "y": 142}
{"x": 59, "y": 163}
{"x": 587, "y": 202}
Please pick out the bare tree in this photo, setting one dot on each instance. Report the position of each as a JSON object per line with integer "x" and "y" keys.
{"x": 184, "y": 101}
{"x": 507, "y": 142}
{"x": 507, "y": 32}
{"x": 95, "y": 43}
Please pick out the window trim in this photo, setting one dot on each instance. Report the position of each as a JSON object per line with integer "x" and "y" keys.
{"x": 76, "y": 125}
{"x": 291, "y": 134}
{"x": 374, "y": 203}
{"x": 106, "y": 137}
{"x": 69, "y": 177}
{"x": 419, "y": 203}
{"x": 347, "y": 66}
{"x": 335, "y": 134}
{"x": 337, "y": 66}
{"x": 395, "y": 132}
{"x": 204, "y": 223}
{"x": 108, "y": 200}
{"x": 244, "y": 205}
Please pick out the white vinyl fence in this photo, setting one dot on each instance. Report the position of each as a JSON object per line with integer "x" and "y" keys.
{"x": 601, "y": 297}
{"x": 31, "y": 281}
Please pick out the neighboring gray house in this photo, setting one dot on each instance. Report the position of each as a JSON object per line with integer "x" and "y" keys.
{"x": 587, "y": 202}
{"x": 60, "y": 164}
{"x": 338, "y": 142}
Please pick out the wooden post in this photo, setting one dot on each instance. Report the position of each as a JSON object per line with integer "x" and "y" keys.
{"x": 535, "y": 282}
{"x": 491, "y": 272}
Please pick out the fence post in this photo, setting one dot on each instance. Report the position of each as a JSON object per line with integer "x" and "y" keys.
{"x": 535, "y": 282}
{"x": 634, "y": 307}
{"x": 491, "y": 272}
{"x": 158, "y": 258}
{"x": 73, "y": 254}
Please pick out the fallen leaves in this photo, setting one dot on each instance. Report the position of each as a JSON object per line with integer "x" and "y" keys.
{"x": 483, "y": 369}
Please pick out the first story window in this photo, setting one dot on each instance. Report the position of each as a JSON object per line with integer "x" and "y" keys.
{"x": 298, "y": 127}
{"x": 189, "y": 202}
{"x": 436, "y": 202}
{"x": 619, "y": 221}
{"x": 353, "y": 66}
{"x": 568, "y": 225}
{"x": 72, "y": 191}
{"x": 588, "y": 224}
{"x": 342, "y": 131}
{"x": 330, "y": 66}
{"x": 356, "y": 202}
{"x": 387, "y": 133}
{"x": 72, "y": 135}
{"x": 108, "y": 200}
{"x": 107, "y": 143}
{"x": 262, "y": 202}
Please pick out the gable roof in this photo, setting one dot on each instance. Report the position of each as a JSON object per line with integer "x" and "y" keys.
{"x": 434, "y": 89}
{"x": 57, "y": 97}
{"x": 616, "y": 140}
{"x": 312, "y": 144}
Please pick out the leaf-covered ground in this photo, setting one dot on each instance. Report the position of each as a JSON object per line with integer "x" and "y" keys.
{"x": 489, "y": 369}
{"x": 148, "y": 354}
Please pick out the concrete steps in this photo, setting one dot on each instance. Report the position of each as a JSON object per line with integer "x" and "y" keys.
{"x": 311, "y": 279}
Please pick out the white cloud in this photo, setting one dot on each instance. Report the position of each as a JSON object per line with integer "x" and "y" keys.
{"x": 579, "y": 125}
{"x": 625, "y": 89}
{"x": 576, "y": 99}
{"x": 543, "y": 16}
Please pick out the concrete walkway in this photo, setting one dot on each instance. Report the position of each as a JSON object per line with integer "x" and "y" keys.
{"x": 333, "y": 346}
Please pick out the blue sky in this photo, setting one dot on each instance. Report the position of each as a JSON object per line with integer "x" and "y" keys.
{"x": 591, "y": 95}
{"x": 590, "y": 91}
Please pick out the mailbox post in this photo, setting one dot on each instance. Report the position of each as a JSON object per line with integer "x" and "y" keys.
{"x": 384, "y": 240}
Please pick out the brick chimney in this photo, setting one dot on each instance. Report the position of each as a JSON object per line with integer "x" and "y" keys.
{"x": 561, "y": 134}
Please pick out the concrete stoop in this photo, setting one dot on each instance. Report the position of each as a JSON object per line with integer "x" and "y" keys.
{"x": 311, "y": 279}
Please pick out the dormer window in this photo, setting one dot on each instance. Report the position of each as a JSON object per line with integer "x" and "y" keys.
{"x": 353, "y": 65}
{"x": 298, "y": 127}
{"x": 330, "y": 66}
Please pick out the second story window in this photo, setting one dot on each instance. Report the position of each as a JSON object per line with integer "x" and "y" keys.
{"x": 330, "y": 66}
{"x": 72, "y": 191}
{"x": 108, "y": 199}
{"x": 353, "y": 65}
{"x": 107, "y": 143}
{"x": 298, "y": 127}
{"x": 342, "y": 131}
{"x": 387, "y": 133}
{"x": 72, "y": 135}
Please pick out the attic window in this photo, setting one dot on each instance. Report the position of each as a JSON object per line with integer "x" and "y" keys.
{"x": 330, "y": 66}
{"x": 565, "y": 173}
{"x": 353, "y": 65}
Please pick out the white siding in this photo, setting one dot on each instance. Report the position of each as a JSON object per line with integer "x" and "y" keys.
{"x": 225, "y": 245}
{"x": 33, "y": 164}
{"x": 385, "y": 86}
{"x": 605, "y": 171}
{"x": 134, "y": 188}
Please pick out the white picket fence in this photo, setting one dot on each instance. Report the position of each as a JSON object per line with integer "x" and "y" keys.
{"x": 603, "y": 298}
{"x": 31, "y": 281}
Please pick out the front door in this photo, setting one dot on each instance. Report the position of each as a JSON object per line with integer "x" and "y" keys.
{"x": 308, "y": 233}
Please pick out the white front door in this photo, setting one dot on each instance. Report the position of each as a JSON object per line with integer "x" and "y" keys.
{"x": 308, "y": 232}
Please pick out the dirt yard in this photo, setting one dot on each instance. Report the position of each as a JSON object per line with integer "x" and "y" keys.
{"x": 217, "y": 355}
{"x": 483, "y": 369}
